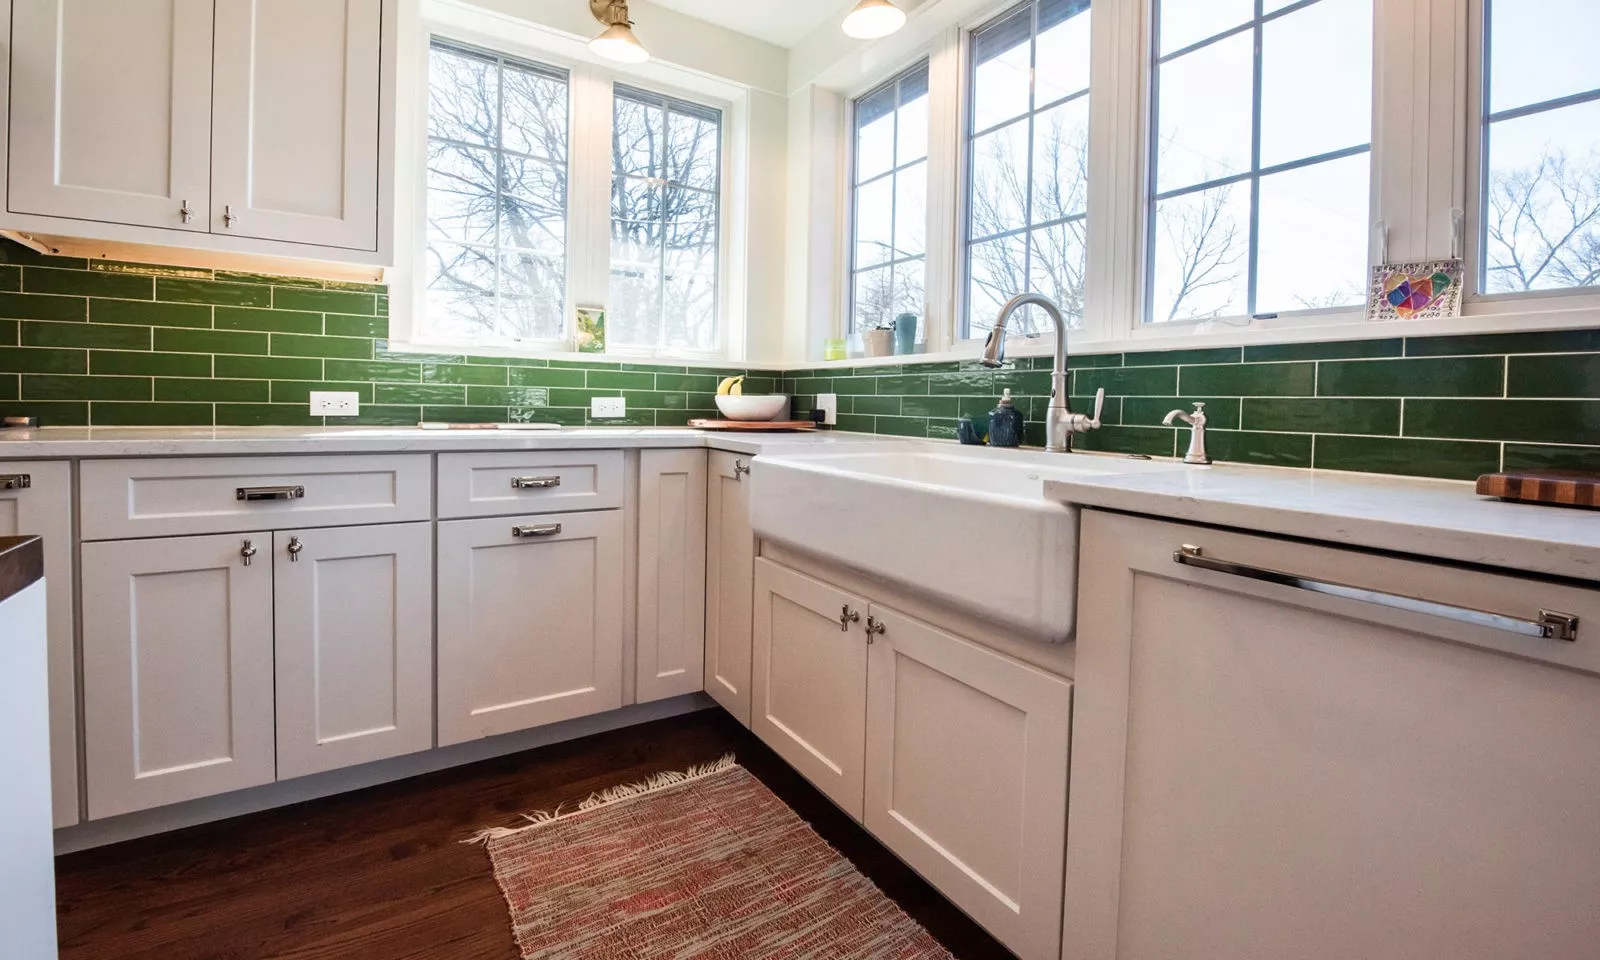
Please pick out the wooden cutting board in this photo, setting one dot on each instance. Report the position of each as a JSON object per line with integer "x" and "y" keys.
{"x": 767, "y": 425}
{"x": 1562, "y": 487}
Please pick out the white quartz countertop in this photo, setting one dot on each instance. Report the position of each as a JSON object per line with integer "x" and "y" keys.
{"x": 1444, "y": 519}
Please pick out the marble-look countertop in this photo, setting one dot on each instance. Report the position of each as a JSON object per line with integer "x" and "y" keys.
{"x": 1443, "y": 519}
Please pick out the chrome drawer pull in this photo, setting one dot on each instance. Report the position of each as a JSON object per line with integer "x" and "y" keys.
{"x": 534, "y": 483}
{"x": 536, "y": 530}
{"x": 16, "y": 481}
{"x": 1551, "y": 625}
{"x": 254, "y": 494}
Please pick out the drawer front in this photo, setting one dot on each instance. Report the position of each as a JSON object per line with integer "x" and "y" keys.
{"x": 122, "y": 499}
{"x": 508, "y": 484}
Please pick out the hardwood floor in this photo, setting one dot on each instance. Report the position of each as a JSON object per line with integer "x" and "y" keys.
{"x": 381, "y": 874}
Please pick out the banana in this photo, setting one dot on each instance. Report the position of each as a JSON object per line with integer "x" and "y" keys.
{"x": 731, "y": 387}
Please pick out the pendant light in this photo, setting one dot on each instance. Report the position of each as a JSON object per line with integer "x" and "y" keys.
{"x": 617, "y": 41}
{"x": 873, "y": 19}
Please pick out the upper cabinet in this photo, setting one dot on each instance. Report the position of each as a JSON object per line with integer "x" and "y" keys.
{"x": 230, "y": 125}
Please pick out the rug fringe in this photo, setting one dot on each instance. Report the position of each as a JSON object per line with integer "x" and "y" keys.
{"x": 665, "y": 780}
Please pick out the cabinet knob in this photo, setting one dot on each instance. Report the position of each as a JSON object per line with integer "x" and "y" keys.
{"x": 740, "y": 470}
{"x": 875, "y": 628}
{"x": 184, "y": 213}
{"x": 228, "y": 219}
{"x": 847, "y": 617}
{"x": 16, "y": 481}
{"x": 248, "y": 551}
{"x": 295, "y": 546}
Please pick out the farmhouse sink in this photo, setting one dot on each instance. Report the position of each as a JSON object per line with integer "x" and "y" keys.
{"x": 969, "y": 530}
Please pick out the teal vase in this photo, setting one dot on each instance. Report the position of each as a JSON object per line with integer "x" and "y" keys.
{"x": 905, "y": 333}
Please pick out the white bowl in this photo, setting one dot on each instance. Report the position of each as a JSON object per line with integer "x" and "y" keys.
{"x": 761, "y": 407}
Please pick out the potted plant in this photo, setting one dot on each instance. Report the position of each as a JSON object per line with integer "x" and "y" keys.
{"x": 878, "y": 339}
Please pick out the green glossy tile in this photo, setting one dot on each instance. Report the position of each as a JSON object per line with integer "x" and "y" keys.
{"x": 673, "y": 418}
{"x": 617, "y": 380}
{"x": 686, "y": 382}
{"x": 1024, "y": 383}
{"x": 506, "y": 361}
{"x": 1444, "y": 459}
{"x": 38, "y": 334}
{"x": 54, "y": 387}
{"x": 941, "y": 431}
{"x": 811, "y": 385}
{"x": 1088, "y": 360}
{"x": 10, "y": 279}
{"x": 855, "y": 386}
{"x": 758, "y": 386}
{"x": 420, "y": 394}
{"x": 110, "y": 414}
{"x": 569, "y": 418}
{"x": 1553, "y": 341}
{"x": 332, "y": 348}
{"x": 148, "y": 269}
{"x": 380, "y": 415}
{"x": 324, "y": 301}
{"x": 51, "y": 413}
{"x": 85, "y": 283}
{"x": 23, "y": 306}
{"x": 1304, "y": 415}
{"x": 1222, "y": 413}
{"x": 1127, "y": 381}
{"x": 572, "y": 397}
{"x": 355, "y": 287}
{"x": 447, "y": 414}
{"x": 903, "y": 385}
{"x": 376, "y": 371}
{"x": 1441, "y": 377}
{"x": 268, "y": 321}
{"x": 463, "y": 373}
{"x": 654, "y": 368}
{"x": 341, "y": 325}
{"x": 272, "y": 368}
{"x": 942, "y": 366}
{"x": 1527, "y": 456}
{"x": 1179, "y": 358}
{"x": 15, "y": 253}
{"x": 148, "y": 313}
{"x": 26, "y": 360}
{"x": 854, "y": 423}
{"x": 902, "y": 426}
{"x": 141, "y": 363}
{"x": 210, "y": 341}
{"x": 877, "y": 406}
{"x": 8, "y": 333}
{"x": 1146, "y": 441}
{"x": 1338, "y": 350}
{"x": 299, "y": 391}
{"x": 214, "y": 292}
{"x": 655, "y": 399}
{"x": 214, "y": 391}
{"x": 1529, "y": 421}
{"x": 544, "y": 377}
{"x": 1574, "y": 376}
{"x": 233, "y": 276}
{"x": 586, "y": 365}
{"x": 1250, "y": 380}
{"x": 381, "y": 351}
{"x": 9, "y": 386}
{"x": 508, "y": 396}
{"x": 936, "y": 408}
{"x": 1266, "y": 449}
{"x": 959, "y": 384}
{"x": 264, "y": 414}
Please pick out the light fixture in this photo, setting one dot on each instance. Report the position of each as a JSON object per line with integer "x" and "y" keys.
{"x": 873, "y": 19}
{"x": 617, "y": 42}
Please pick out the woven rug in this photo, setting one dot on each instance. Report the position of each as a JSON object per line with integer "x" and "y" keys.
{"x": 707, "y": 863}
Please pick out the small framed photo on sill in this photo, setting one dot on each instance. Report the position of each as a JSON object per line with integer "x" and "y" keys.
{"x": 590, "y": 330}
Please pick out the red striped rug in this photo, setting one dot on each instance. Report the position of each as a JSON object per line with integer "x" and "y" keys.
{"x": 703, "y": 864}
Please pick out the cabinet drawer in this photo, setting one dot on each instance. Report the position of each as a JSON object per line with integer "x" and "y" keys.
{"x": 158, "y": 498}
{"x": 506, "y": 484}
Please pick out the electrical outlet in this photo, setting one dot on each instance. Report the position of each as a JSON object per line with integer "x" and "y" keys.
{"x": 328, "y": 403}
{"x": 608, "y": 408}
{"x": 828, "y": 403}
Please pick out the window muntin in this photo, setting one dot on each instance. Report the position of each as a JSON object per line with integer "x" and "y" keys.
{"x": 890, "y": 202}
{"x": 495, "y": 264}
{"x": 1260, "y": 157}
{"x": 1540, "y": 195}
{"x": 665, "y": 223}
{"x": 1027, "y": 162}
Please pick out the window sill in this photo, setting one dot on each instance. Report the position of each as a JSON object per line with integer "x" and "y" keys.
{"x": 572, "y": 356}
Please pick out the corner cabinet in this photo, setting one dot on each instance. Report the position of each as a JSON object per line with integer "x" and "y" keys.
{"x": 730, "y": 583}
{"x": 233, "y": 125}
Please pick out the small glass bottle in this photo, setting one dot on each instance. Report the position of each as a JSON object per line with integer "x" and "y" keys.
{"x": 1005, "y": 423}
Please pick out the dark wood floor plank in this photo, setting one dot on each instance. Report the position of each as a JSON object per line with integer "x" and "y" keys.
{"x": 382, "y": 874}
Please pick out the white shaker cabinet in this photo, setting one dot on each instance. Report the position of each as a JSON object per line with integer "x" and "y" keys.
{"x": 177, "y": 669}
{"x": 354, "y": 627}
{"x": 36, "y": 499}
{"x": 111, "y": 111}
{"x": 672, "y": 573}
{"x": 730, "y": 583}
{"x": 1263, "y": 768}
{"x": 530, "y": 621}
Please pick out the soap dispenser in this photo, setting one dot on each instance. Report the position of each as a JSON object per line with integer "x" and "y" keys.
{"x": 1005, "y": 423}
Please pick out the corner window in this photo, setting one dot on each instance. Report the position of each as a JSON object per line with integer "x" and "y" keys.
{"x": 1260, "y": 157}
{"x": 1541, "y": 171}
{"x": 665, "y": 204}
{"x": 1028, "y": 163}
{"x": 890, "y": 202}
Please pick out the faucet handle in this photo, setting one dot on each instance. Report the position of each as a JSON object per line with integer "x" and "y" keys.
{"x": 1099, "y": 407}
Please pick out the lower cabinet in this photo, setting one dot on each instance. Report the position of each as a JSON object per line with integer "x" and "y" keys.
{"x": 530, "y": 621}
{"x": 671, "y": 626}
{"x": 953, "y": 755}
{"x": 730, "y": 583}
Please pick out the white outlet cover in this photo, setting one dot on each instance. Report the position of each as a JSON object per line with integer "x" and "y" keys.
{"x": 828, "y": 403}
{"x": 330, "y": 403}
{"x": 608, "y": 408}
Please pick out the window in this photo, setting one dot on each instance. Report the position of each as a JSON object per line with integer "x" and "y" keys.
{"x": 666, "y": 178}
{"x": 1540, "y": 228}
{"x": 890, "y": 199}
{"x": 496, "y": 197}
{"x": 1028, "y": 163}
{"x": 1260, "y": 157}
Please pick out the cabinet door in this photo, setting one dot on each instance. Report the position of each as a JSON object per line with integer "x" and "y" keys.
{"x": 354, "y": 626}
{"x": 730, "y": 584}
{"x": 36, "y": 500}
{"x": 111, "y": 111}
{"x": 177, "y": 669}
{"x": 530, "y": 622}
{"x": 296, "y": 121}
{"x": 1260, "y": 771}
{"x": 810, "y": 689}
{"x": 967, "y": 776}
{"x": 672, "y": 573}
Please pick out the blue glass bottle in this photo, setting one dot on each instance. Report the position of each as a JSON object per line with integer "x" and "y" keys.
{"x": 1005, "y": 423}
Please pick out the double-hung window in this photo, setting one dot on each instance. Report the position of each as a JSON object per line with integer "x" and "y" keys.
{"x": 890, "y": 217}
{"x": 1027, "y": 162}
{"x": 1260, "y": 157}
{"x": 1540, "y": 223}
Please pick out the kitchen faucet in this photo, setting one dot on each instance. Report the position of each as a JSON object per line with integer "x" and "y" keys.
{"x": 1060, "y": 424}
{"x": 1197, "y": 432}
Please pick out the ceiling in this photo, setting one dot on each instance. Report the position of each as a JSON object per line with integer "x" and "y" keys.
{"x": 783, "y": 22}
